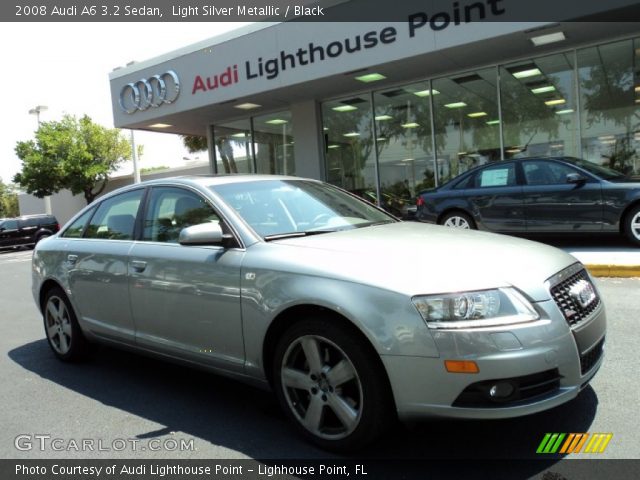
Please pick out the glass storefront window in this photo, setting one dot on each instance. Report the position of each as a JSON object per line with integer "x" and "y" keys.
{"x": 466, "y": 122}
{"x": 539, "y": 107}
{"x": 349, "y": 145}
{"x": 610, "y": 101}
{"x": 404, "y": 145}
{"x": 233, "y": 147}
{"x": 273, "y": 143}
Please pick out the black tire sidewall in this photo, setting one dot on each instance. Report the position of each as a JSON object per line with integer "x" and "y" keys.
{"x": 377, "y": 411}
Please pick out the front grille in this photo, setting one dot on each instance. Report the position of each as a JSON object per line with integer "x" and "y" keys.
{"x": 525, "y": 389}
{"x": 589, "y": 359}
{"x": 570, "y": 306}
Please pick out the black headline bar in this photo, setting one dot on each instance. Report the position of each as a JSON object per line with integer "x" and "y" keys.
{"x": 438, "y": 11}
{"x": 334, "y": 469}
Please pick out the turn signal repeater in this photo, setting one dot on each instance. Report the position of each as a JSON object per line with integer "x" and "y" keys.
{"x": 461, "y": 366}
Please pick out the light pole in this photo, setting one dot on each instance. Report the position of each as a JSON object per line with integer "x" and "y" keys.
{"x": 36, "y": 111}
{"x": 134, "y": 155}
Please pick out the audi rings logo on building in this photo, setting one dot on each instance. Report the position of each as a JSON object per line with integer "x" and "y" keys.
{"x": 150, "y": 92}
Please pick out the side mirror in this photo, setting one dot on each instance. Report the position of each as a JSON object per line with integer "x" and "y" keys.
{"x": 575, "y": 178}
{"x": 203, "y": 234}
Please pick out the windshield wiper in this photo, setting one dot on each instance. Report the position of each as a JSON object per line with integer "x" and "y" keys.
{"x": 373, "y": 224}
{"x": 279, "y": 236}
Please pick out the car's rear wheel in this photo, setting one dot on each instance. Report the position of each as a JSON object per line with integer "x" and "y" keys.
{"x": 632, "y": 225}
{"x": 329, "y": 383}
{"x": 61, "y": 327}
{"x": 41, "y": 237}
{"x": 458, "y": 219}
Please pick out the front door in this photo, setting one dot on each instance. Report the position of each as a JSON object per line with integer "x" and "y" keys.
{"x": 553, "y": 205}
{"x": 185, "y": 299}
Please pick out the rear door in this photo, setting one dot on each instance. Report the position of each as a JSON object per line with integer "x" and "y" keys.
{"x": 553, "y": 205}
{"x": 28, "y": 228}
{"x": 496, "y": 198}
{"x": 97, "y": 266}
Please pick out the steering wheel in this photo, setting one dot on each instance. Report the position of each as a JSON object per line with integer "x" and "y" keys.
{"x": 321, "y": 219}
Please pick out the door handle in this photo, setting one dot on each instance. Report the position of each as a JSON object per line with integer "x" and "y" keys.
{"x": 72, "y": 259}
{"x": 138, "y": 266}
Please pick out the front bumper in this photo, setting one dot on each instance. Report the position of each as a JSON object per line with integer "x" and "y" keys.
{"x": 423, "y": 388}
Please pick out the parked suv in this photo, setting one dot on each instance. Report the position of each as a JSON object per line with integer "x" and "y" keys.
{"x": 26, "y": 230}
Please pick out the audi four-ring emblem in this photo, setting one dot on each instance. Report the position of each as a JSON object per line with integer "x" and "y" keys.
{"x": 150, "y": 92}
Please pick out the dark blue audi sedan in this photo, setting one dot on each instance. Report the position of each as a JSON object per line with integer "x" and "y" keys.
{"x": 537, "y": 195}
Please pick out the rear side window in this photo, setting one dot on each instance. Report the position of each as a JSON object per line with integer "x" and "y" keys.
{"x": 77, "y": 227}
{"x": 34, "y": 222}
{"x": 465, "y": 183}
{"x": 115, "y": 218}
{"x": 497, "y": 176}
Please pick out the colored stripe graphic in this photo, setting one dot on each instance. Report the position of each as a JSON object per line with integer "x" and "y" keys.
{"x": 574, "y": 443}
{"x": 550, "y": 443}
{"x": 598, "y": 443}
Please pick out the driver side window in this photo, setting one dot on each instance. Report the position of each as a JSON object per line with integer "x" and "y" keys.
{"x": 172, "y": 209}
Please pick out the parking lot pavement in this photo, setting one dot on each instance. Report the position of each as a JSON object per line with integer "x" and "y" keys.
{"x": 15, "y": 256}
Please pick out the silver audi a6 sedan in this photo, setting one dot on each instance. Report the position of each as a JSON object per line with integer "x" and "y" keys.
{"x": 352, "y": 317}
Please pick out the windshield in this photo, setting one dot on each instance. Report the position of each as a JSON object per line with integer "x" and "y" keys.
{"x": 602, "y": 172}
{"x": 276, "y": 208}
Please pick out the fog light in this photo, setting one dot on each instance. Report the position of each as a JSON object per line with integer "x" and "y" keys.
{"x": 501, "y": 390}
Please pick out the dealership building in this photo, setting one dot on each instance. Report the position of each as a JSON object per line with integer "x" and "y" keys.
{"x": 387, "y": 108}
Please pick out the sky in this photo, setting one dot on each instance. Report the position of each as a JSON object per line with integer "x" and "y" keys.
{"x": 65, "y": 66}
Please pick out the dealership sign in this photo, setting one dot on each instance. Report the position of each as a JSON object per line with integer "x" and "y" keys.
{"x": 150, "y": 92}
{"x": 312, "y": 53}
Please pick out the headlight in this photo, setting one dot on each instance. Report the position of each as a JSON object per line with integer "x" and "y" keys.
{"x": 484, "y": 308}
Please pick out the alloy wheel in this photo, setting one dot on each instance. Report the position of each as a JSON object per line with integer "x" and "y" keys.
{"x": 634, "y": 225}
{"x": 457, "y": 222}
{"x": 58, "y": 325}
{"x": 322, "y": 387}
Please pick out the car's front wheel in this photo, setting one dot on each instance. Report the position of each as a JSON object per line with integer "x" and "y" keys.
{"x": 329, "y": 382}
{"x": 458, "y": 220}
{"x": 61, "y": 327}
{"x": 632, "y": 225}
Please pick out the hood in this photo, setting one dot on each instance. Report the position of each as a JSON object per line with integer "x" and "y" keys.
{"x": 416, "y": 258}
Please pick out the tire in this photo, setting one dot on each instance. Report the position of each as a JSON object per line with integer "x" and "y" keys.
{"x": 340, "y": 400}
{"x": 458, "y": 219}
{"x": 632, "y": 225}
{"x": 40, "y": 237}
{"x": 61, "y": 327}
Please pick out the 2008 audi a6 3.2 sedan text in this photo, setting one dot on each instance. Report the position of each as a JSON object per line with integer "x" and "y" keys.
{"x": 350, "y": 316}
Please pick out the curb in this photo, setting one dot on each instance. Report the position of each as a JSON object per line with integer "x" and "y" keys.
{"x": 623, "y": 271}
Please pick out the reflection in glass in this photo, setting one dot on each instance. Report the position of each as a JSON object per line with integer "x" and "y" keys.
{"x": 404, "y": 146}
{"x": 273, "y": 143}
{"x": 610, "y": 97}
{"x": 539, "y": 107}
{"x": 349, "y": 144}
{"x": 233, "y": 147}
{"x": 466, "y": 122}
